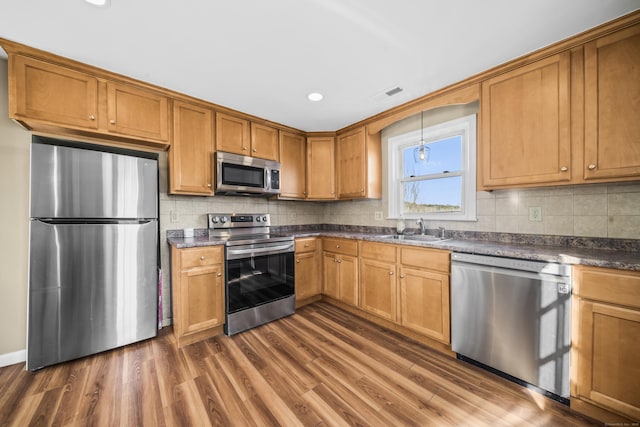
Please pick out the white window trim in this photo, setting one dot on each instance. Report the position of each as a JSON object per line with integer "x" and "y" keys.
{"x": 465, "y": 127}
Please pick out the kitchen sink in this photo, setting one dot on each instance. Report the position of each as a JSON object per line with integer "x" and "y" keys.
{"x": 414, "y": 237}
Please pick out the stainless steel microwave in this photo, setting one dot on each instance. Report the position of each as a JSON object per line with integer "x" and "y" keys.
{"x": 237, "y": 174}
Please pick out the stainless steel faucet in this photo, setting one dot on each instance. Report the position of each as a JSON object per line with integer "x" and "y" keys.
{"x": 423, "y": 229}
{"x": 442, "y": 230}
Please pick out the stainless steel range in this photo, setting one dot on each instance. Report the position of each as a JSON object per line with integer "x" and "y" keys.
{"x": 259, "y": 270}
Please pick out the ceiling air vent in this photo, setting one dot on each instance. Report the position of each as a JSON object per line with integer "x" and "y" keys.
{"x": 393, "y": 91}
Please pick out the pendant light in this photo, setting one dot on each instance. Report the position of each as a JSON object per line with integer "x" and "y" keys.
{"x": 421, "y": 153}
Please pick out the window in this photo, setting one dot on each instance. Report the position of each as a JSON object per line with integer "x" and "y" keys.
{"x": 434, "y": 178}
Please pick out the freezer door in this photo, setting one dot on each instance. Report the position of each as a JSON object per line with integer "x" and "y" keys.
{"x": 69, "y": 182}
{"x": 92, "y": 287}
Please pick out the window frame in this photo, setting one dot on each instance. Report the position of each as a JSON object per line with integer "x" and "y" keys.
{"x": 464, "y": 127}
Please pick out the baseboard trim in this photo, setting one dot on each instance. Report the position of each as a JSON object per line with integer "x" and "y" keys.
{"x": 13, "y": 358}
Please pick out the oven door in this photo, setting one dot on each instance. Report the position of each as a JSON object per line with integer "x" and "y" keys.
{"x": 258, "y": 274}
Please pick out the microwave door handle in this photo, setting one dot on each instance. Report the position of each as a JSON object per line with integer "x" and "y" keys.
{"x": 267, "y": 180}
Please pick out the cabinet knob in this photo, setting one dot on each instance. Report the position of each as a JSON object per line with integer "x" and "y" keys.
{"x": 113, "y": 122}
{"x": 244, "y": 148}
{"x": 402, "y": 276}
{"x": 592, "y": 166}
{"x": 306, "y": 245}
{"x": 337, "y": 246}
{"x": 255, "y": 150}
{"x": 391, "y": 273}
{"x": 219, "y": 274}
{"x": 297, "y": 261}
{"x": 201, "y": 257}
{"x": 209, "y": 185}
{"x": 564, "y": 169}
{"x": 92, "y": 117}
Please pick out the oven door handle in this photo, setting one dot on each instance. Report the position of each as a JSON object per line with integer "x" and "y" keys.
{"x": 239, "y": 253}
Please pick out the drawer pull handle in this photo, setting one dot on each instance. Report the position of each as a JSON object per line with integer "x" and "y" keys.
{"x": 306, "y": 245}
{"x": 201, "y": 257}
{"x": 564, "y": 169}
{"x": 112, "y": 121}
{"x": 592, "y": 166}
{"x": 337, "y": 246}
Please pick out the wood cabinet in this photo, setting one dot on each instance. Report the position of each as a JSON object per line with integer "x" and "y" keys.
{"x": 307, "y": 270}
{"x": 241, "y": 136}
{"x": 321, "y": 171}
{"x": 378, "y": 282}
{"x": 526, "y": 129}
{"x": 49, "y": 97}
{"x": 359, "y": 165}
{"x": 340, "y": 270}
{"x": 292, "y": 166}
{"x": 191, "y": 153}
{"x": 425, "y": 292}
{"x": 612, "y": 102}
{"x": 606, "y": 344}
{"x": 197, "y": 279}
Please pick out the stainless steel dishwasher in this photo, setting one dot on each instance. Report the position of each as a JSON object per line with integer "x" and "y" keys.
{"x": 513, "y": 316}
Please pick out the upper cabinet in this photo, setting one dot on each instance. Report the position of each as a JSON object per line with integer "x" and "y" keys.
{"x": 191, "y": 153}
{"x": 359, "y": 165}
{"x": 53, "y": 94}
{"x": 526, "y": 130}
{"x": 321, "y": 171}
{"x": 612, "y": 106}
{"x": 240, "y": 136}
{"x": 292, "y": 166}
{"x": 50, "y": 97}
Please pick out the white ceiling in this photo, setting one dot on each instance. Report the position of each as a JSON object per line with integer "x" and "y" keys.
{"x": 263, "y": 57}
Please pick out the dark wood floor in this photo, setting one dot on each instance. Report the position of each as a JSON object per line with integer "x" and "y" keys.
{"x": 319, "y": 367}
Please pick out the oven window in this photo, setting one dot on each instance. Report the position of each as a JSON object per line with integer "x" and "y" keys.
{"x": 247, "y": 176}
{"x": 258, "y": 280}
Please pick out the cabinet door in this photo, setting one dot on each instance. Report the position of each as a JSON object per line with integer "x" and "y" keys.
{"x": 307, "y": 275}
{"x": 321, "y": 173}
{"x": 50, "y": 93}
{"x": 136, "y": 112}
{"x": 378, "y": 289}
{"x": 348, "y": 272}
{"x": 424, "y": 301}
{"x": 292, "y": 166}
{"x": 202, "y": 296}
{"x": 608, "y": 365}
{"x": 612, "y": 101}
{"x": 331, "y": 280}
{"x": 232, "y": 134}
{"x": 526, "y": 125}
{"x": 264, "y": 142}
{"x": 351, "y": 165}
{"x": 191, "y": 152}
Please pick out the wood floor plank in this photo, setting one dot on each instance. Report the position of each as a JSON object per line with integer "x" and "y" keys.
{"x": 319, "y": 367}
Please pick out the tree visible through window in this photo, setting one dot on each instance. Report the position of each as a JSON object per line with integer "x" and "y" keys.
{"x": 432, "y": 173}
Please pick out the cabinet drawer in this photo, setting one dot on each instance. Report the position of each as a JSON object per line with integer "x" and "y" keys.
{"x": 199, "y": 257}
{"x": 341, "y": 246}
{"x": 608, "y": 285}
{"x": 431, "y": 259}
{"x": 307, "y": 244}
{"x": 378, "y": 251}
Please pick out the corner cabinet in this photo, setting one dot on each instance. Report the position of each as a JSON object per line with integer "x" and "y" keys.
{"x": 191, "y": 153}
{"x": 606, "y": 344}
{"x": 359, "y": 165}
{"x": 197, "y": 279}
{"x": 292, "y": 166}
{"x": 612, "y": 104}
{"x": 321, "y": 170}
{"x": 525, "y": 125}
{"x": 340, "y": 270}
{"x": 50, "y": 97}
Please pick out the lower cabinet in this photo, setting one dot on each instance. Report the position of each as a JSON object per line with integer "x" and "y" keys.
{"x": 340, "y": 268}
{"x": 197, "y": 276}
{"x": 378, "y": 280}
{"x": 606, "y": 344}
{"x": 307, "y": 270}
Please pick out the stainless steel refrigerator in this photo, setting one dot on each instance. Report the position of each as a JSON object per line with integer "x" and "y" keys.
{"x": 93, "y": 266}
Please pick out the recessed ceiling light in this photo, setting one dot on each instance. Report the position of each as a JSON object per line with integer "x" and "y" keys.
{"x": 99, "y": 3}
{"x": 315, "y": 96}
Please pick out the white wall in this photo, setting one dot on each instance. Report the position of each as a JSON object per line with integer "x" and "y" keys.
{"x": 14, "y": 226}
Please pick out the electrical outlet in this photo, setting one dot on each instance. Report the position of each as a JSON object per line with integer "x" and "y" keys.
{"x": 378, "y": 215}
{"x": 535, "y": 213}
{"x": 174, "y": 216}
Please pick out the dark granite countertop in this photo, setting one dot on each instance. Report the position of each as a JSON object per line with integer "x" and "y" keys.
{"x": 590, "y": 252}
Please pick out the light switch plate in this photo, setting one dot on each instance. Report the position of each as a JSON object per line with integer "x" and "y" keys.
{"x": 535, "y": 213}
{"x": 378, "y": 215}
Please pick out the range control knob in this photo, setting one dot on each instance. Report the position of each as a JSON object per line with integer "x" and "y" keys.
{"x": 223, "y": 219}
{"x": 264, "y": 218}
{"x": 258, "y": 219}
{"x": 214, "y": 219}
